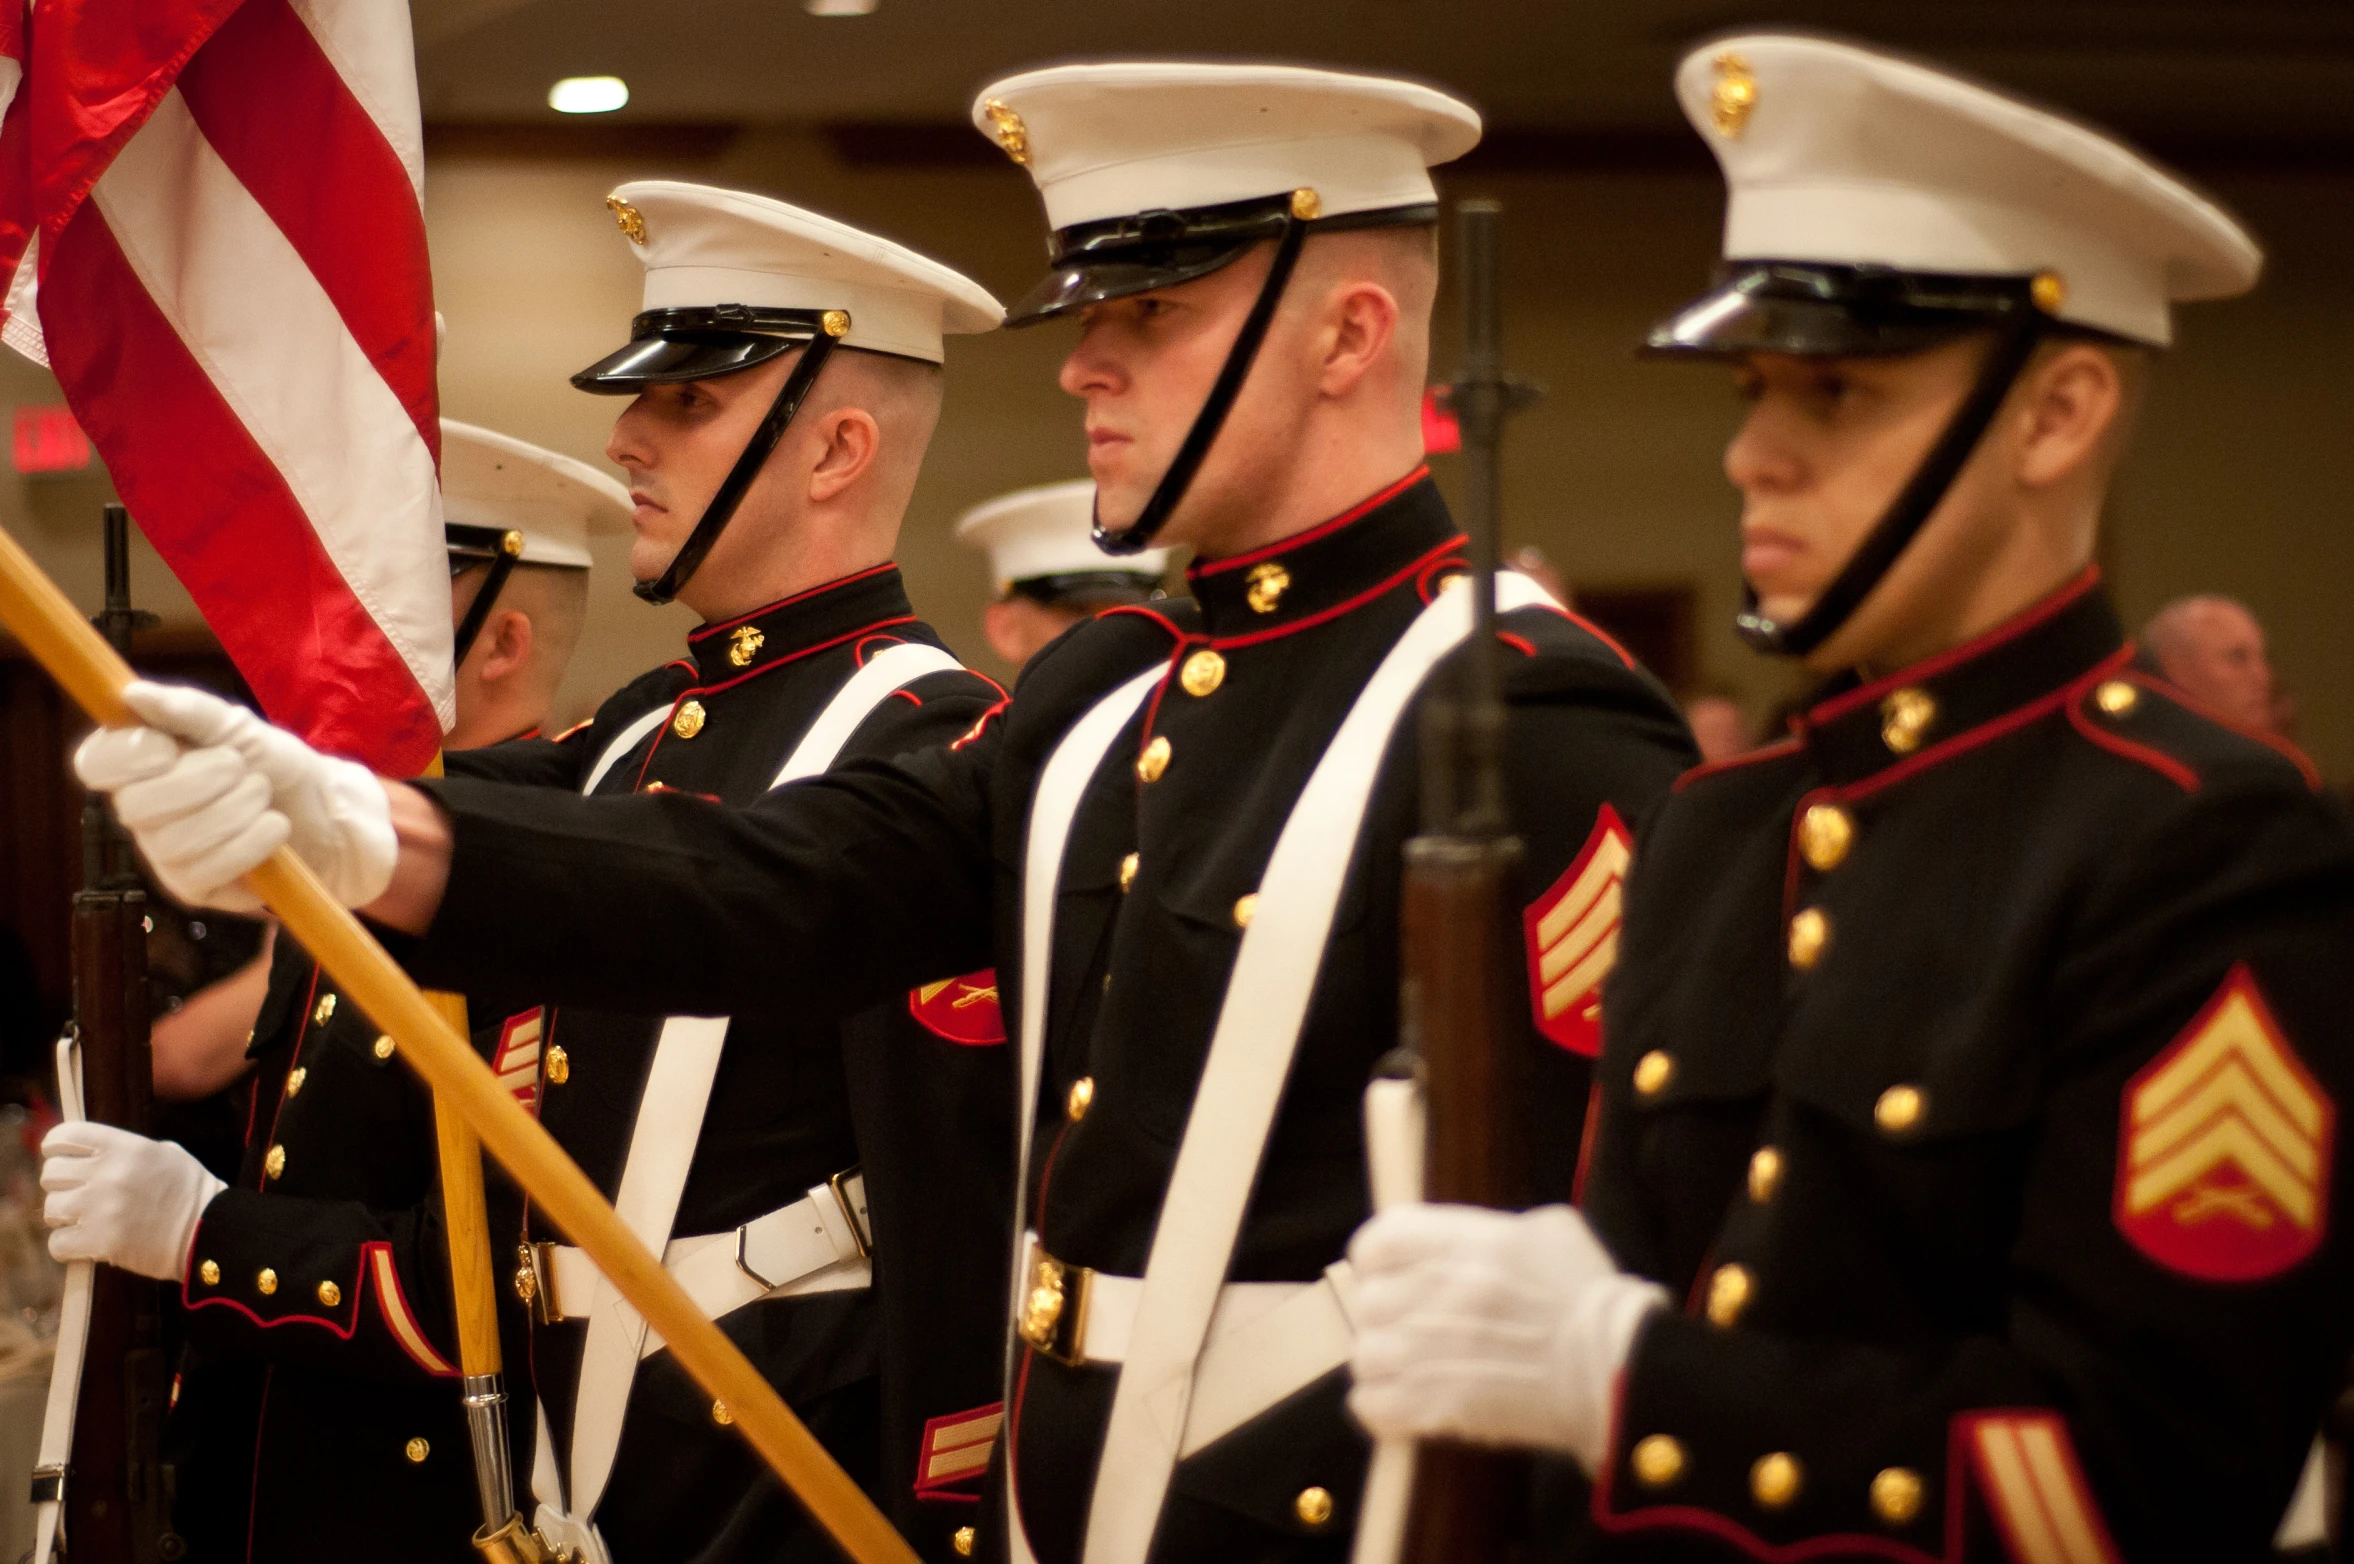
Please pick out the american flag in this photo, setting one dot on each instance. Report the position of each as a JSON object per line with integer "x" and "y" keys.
{"x": 211, "y": 214}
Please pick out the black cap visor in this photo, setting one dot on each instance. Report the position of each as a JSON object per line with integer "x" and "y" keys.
{"x": 674, "y": 345}
{"x": 1124, "y": 256}
{"x": 1813, "y": 310}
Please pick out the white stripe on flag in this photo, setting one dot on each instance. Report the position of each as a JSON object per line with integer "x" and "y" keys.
{"x": 257, "y": 321}
{"x": 369, "y": 44}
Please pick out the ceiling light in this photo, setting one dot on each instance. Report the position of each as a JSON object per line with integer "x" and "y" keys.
{"x": 839, "y": 7}
{"x": 588, "y": 95}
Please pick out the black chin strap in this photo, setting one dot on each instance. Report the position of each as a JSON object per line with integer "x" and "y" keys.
{"x": 1167, "y": 494}
{"x": 502, "y": 551}
{"x": 723, "y": 505}
{"x": 2014, "y": 344}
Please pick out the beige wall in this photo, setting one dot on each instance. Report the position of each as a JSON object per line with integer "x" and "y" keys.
{"x": 2241, "y": 482}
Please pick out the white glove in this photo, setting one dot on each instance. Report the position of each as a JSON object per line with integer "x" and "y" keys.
{"x": 1493, "y": 1328}
{"x": 209, "y": 790}
{"x": 122, "y": 1198}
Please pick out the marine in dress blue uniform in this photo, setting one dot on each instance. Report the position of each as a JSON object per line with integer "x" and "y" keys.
{"x": 1967, "y": 1145}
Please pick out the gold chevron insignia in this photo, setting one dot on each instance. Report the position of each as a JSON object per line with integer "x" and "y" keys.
{"x": 1573, "y": 937}
{"x": 2230, "y": 1098}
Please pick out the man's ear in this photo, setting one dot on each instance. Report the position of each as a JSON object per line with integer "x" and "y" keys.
{"x": 510, "y": 635}
{"x": 852, "y": 441}
{"x": 1363, "y": 321}
{"x": 2075, "y": 398}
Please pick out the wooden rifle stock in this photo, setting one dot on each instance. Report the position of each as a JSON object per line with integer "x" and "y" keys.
{"x": 1461, "y": 929}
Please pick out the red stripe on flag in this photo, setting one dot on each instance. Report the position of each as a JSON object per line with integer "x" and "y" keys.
{"x": 221, "y": 515}
{"x": 279, "y": 114}
{"x": 95, "y": 72}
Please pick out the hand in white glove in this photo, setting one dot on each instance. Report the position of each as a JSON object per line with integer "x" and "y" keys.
{"x": 122, "y": 1198}
{"x": 209, "y": 790}
{"x": 1490, "y": 1327}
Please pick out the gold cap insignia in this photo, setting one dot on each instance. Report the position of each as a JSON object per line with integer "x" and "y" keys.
{"x": 835, "y": 322}
{"x": 1011, "y": 134}
{"x": 1734, "y": 98}
{"x": 1306, "y": 205}
{"x": 744, "y": 644}
{"x": 632, "y": 221}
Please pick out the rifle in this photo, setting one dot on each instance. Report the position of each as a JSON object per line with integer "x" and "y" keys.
{"x": 115, "y": 1491}
{"x": 1461, "y": 923}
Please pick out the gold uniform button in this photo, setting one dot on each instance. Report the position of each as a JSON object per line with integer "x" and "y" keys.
{"x": 383, "y": 1048}
{"x": 1825, "y": 832}
{"x": 1658, "y": 1461}
{"x": 417, "y": 1450}
{"x": 274, "y": 1161}
{"x": 1810, "y": 931}
{"x": 1082, "y": 1096}
{"x": 962, "y": 1542}
{"x": 324, "y": 1011}
{"x": 1245, "y": 907}
{"x": 330, "y": 1294}
{"x": 2116, "y": 697}
{"x": 1313, "y": 1507}
{"x": 1775, "y": 1480}
{"x": 266, "y": 1283}
{"x": 1765, "y": 1174}
{"x": 294, "y": 1079}
{"x": 1905, "y": 718}
{"x": 1128, "y": 871}
{"x": 1653, "y": 1071}
{"x": 1154, "y": 760}
{"x": 721, "y": 1415}
{"x": 1203, "y": 672}
{"x": 1728, "y": 1294}
{"x": 687, "y": 721}
{"x": 1896, "y": 1495}
{"x": 209, "y": 1273}
{"x": 559, "y": 1066}
{"x": 1899, "y": 1108}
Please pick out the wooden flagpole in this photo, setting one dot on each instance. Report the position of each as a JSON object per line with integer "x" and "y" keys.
{"x": 88, "y": 669}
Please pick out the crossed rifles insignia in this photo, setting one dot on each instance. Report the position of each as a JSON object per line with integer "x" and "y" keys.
{"x": 2223, "y": 1160}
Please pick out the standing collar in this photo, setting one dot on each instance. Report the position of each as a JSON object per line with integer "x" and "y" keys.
{"x": 793, "y": 626}
{"x": 1328, "y": 569}
{"x": 1861, "y": 729}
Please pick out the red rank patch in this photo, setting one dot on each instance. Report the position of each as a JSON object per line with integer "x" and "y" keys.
{"x": 516, "y": 1063}
{"x": 2224, "y": 1146}
{"x": 963, "y": 1010}
{"x": 1573, "y": 938}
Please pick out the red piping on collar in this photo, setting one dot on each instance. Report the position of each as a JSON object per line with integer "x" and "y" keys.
{"x": 788, "y": 659}
{"x": 1986, "y": 732}
{"x": 1300, "y": 540}
{"x": 769, "y": 608}
{"x": 2010, "y": 629}
{"x": 2183, "y": 698}
{"x": 1422, "y": 562}
{"x": 981, "y": 723}
{"x": 1748, "y": 757}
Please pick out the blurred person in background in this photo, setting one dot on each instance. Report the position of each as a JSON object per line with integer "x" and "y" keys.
{"x": 1049, "y": 571}
{"x": 2213, "y": 648}
{"x": 1718, "y": 725}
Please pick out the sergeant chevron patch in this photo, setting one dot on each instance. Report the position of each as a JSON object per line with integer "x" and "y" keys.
{"x": 956, "y": 1453}
{"x": 516, "y": 1064}
{"x": 963, "y": 1009}
{"x": 1573, "y": 938}
{"x": 2036, "y": 1492}
{"x": 2225, "y": 1144}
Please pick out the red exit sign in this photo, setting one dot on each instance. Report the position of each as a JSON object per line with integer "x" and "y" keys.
{"x": 48, "y": 440}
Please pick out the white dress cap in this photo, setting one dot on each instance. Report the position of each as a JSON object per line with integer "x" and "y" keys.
{"x": 493, "y": 480}
{"x": 1840, "y": 155}
{"x": 704, "y": 246}
{"x": 1113, "y": 139}
{"x": 1032, "y": 534}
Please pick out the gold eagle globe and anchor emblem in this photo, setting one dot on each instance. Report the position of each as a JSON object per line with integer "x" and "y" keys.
{"x": 1012, "y": 135}
{"x": 744, "y": 644}
{"x": 632, "y": 221}
{"x": 1265, "y": 585}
